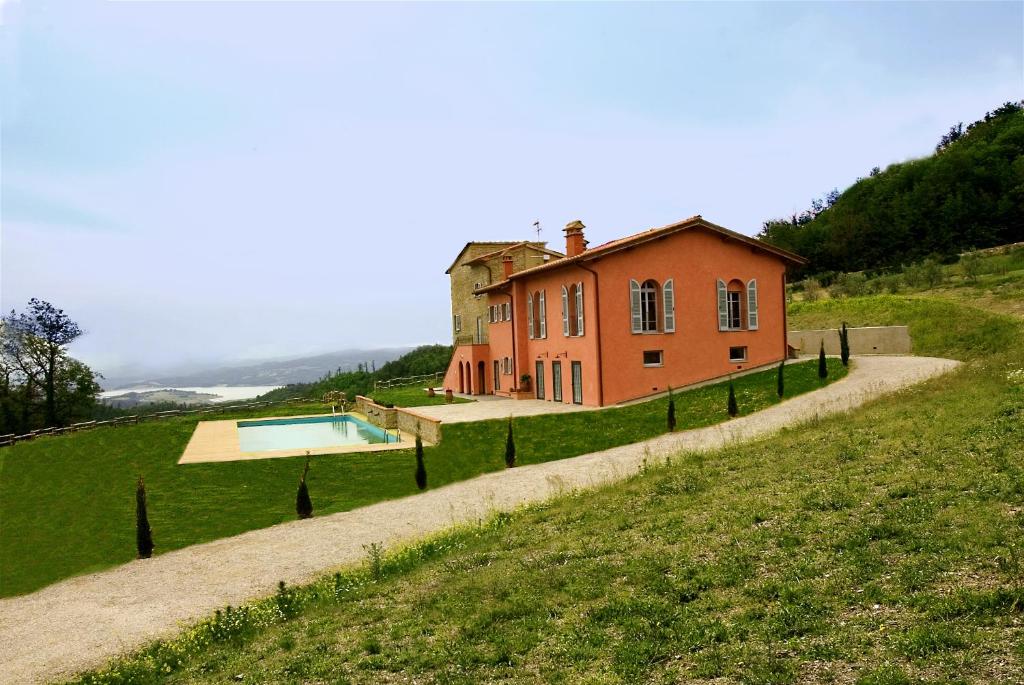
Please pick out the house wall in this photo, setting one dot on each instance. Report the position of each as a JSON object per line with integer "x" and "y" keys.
{"x": 556, "y": 346}
{"x": 697, "y": 350}
{"x": 471, "y": 355}
{"x": 464, "y": 278}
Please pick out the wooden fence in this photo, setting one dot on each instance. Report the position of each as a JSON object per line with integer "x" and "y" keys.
{"x": 408, "y": 380}
{"x": 11, "y": 438}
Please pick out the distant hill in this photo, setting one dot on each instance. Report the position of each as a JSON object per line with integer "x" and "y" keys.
{"x": 274, "y": 372}
{"x": 423, "y": 360}
{"x": 969, "y": 194}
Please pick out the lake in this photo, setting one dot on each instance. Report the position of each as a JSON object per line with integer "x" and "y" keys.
{"x": 225, "y": 393}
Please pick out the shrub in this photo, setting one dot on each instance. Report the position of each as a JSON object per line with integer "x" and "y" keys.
{"x": 671, "y": 411}
{"x": 303, "y": 504}
{"x": 822, "y": 366}
{"x": 510, "y": 447}
{"x": 844, "y": 345}
{"x": 970, "y": 264}
{"x": 143, "y": 533}
{"x": 421, "y": 470}
{"x": 780, "y": 384}
{"x": 931, "y": 271}
{"x": 733, "y": 408}
{"x": 812, "y": 290}
{"x": 850, "y": 285}
{"x": 886, "y": 283}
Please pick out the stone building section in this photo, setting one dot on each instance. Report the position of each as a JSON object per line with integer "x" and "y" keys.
{"x": 480, "y": 264}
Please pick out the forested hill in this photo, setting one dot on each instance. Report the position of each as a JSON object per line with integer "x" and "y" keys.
{"x": 969, "y": 194}
{"x": 422, "y": 360}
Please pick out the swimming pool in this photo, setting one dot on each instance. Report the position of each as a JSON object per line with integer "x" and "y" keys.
{"x": 308, "y": 432}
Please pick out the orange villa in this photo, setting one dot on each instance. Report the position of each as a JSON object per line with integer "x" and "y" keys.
{"x": 671, "y": 306}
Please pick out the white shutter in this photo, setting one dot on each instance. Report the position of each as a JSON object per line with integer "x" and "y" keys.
{"x": 723, "y": 306}
{"x": 668, "y": 292}
{"x": 508, "y": 312}
{"x": 752, "y": 305}
{"x": 634, "y": 305}
{"x": 529, "y": 316}
{"x": 579, "y": 308}
{"x": 543, "y": 317}
{"x": 565, "y": 311}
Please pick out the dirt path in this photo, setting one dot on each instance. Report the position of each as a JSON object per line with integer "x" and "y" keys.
{"x": 82, "y": 622}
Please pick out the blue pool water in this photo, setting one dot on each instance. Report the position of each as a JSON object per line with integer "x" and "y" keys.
{"x": 309, "y": 432}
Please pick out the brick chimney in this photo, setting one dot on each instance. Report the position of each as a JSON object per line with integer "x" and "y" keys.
{"x": 506, "y": 263}
{"x": 574, "y": 242}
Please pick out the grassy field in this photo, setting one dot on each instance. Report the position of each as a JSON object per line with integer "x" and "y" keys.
{"x": 881, "y": 547}
{"x": 67, "y": 502}
{"x": 409, "y": 397}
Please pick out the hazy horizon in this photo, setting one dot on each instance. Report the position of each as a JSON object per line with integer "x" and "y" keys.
{"x": 203, "y": 184}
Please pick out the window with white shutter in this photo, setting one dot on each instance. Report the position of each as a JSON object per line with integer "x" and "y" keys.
{"x": 565, "y": 311}
{"x": 723, "y": 306}
{"x": 579, "y": 308}
{"x": 634, "y": 306}
{"x": 752, "y": 305}
{"x": 668, "y": 296}
{"x": 529, "y": 316}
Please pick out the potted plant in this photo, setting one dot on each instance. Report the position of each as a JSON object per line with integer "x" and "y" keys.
{"x": 525, "y": 381}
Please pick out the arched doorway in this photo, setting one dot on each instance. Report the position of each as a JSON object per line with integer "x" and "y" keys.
{"x": 462, "y": 378}
{"x": 481, "y": 373}
{"x": 469, "y": 379}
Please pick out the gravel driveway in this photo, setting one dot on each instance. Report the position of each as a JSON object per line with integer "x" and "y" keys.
{"x": 82, "y": 622}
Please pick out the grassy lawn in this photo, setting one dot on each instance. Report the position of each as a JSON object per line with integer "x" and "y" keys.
{"x": 880, "y": 547}
{"x": 409, "y": 397}
{"x": 67, "y": 502}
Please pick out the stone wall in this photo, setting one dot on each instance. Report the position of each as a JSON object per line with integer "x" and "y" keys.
{"x": 409, "y": 422}
{"x": 465, "y": 277}
{"x": 866, "y": 340}
{"x": 382, "y": 417}
{"x": 405, "y": 420}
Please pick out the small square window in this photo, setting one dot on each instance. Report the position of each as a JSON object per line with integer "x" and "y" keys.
{"x": 737, "y": 354}
{"x": 653, "y": 358}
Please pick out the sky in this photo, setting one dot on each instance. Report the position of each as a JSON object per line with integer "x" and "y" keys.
{"x": 201, "y": 182}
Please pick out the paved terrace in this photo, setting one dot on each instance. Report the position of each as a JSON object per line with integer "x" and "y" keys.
{"x": 84, "y": 621}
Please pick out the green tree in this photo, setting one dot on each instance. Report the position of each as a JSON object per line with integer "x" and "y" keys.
{"x": 671, "y": 411}
{"x": 143, "y": 533}
{"x": 732, "y": 407}
{"x": 421, "y": 469}
{"x": 510, "y": 447}
{"x": 780, "y": 383}
{"x": 40, "y": 385}
{"x": 822, "y": 364}
{"x": 303, "y": 504}
{"x": 844, "y": 345}
{"x": 968, "y": 194}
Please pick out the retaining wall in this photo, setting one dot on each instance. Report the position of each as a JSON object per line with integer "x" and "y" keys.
{"x": 864, "y": 340}
{"x": 405, "y": 420}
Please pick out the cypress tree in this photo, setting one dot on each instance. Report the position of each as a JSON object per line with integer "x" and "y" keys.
{"x": 421, "y": 470}
{"x": 822, "y": 366}
{"x": 780, "y": 384}
{"x": 303, "y": 504}
{"x": 143, "y": 533}
{"x": 671, "y": 411}
{"x": 733, "y": 408}
{"x": 510, "y": 447}
{"x": 844, "y": 345}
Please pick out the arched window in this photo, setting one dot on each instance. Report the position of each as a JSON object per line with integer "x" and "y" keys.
{"x": 649, "y": 306}
{"x": 732, "y": 315}
{"x": 572, "y": 310}
{"x": 537, "y": 315}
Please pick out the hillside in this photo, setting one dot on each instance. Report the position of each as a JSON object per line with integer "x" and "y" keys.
{"x": 271, "y": 372}
{"x": 878, "y": 547}
{"x": 969, "y": 194}
{"x": 423, "y": 360}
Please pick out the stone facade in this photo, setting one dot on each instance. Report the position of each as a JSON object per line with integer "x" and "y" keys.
{"x": 480, "y": 264}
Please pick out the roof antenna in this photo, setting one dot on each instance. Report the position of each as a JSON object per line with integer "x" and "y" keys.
{"x": 536, "y": 227}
